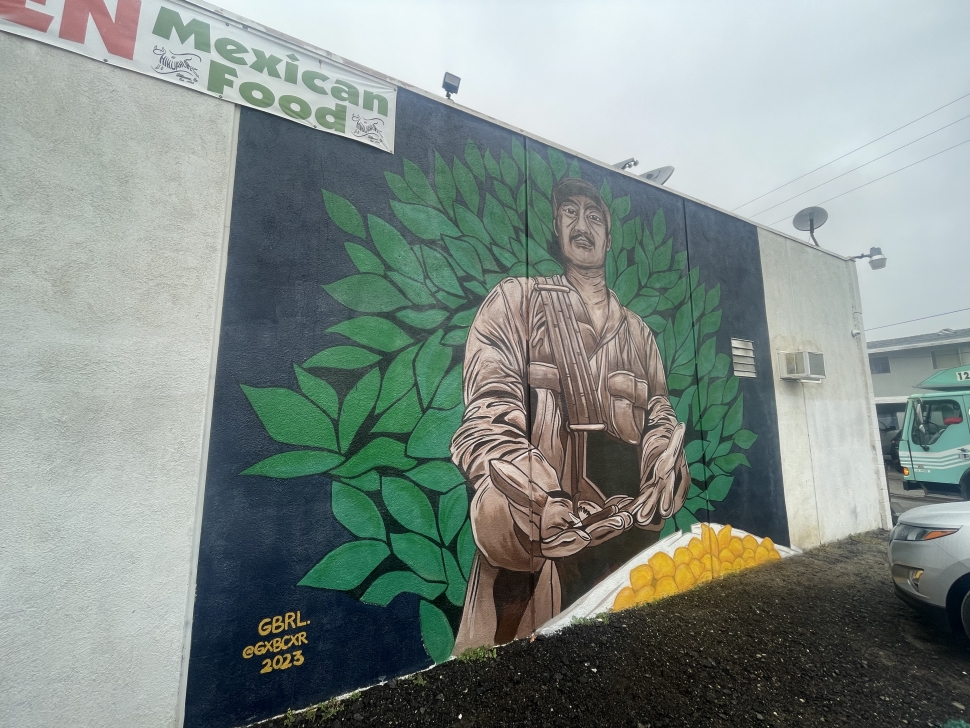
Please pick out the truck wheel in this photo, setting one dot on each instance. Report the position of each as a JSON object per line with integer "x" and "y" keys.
{"x": 965, "y": 486}
{"x": 965, "y": 613}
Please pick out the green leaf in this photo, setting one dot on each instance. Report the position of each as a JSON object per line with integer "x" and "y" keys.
{"x": 699, "y": 503}
{"x": 643, "y": 265}
{"x": 389, "y": 585}
{"x": 683, "y": 325}
{"x": 466, "y": 549}
{"x": 365, "y": 260}
{"x": 402, "y": 416}
{"x": 669, "y": 527}
{"x": 452, "y": 513}
{"x": 727, "y": 463}
{"x": 425, "y": 222}
{"x": 368, "y": 481}
{"x": 440, "y": 271}
{"x": 319, "y": 392}
{"x": 610, "y": 271}
{"x": 417, "y": 292}
{"x": 430, "y": 366}
{"x": 409, "y": 506}
{"x": 439, "y": 475}
{"x": 574, "y": 170}
{"x": 400, "y": 188}
{"x": 291, "y": 418}
{"x": 682, "y": 409}
{"x": 679, "y": 381}
{"x": 705, "y": 358}
{"x": 627, "y": 285}
{"x": 685, "y": 519}
{"x": 357, "y": 512}
{"x": 432, "y": 435}
{"x": 745, "y": 439}
{"x": 367, "y": 293}
{"x": 664, "y": 280}
{"x": 341, "y": 357}
{"x": 712, "y": 418}
{"x": 497, "y": 222}
{"x": 713, "y": 298}
{"x": 540, "y": 172}
{"x": 518, "y": 153}
{"x": 347, "y": 566}
{"x": 548, "y": 268}
{"x": 444, "y": 183}
{"x": 381, "y": 452}
{"x": 732, "y": 423}
{"x": 721, "y": 365}
{"x": 398, "y": 379}
{"x": 661, "y": 257}
{"x": 710, "y": 324}
{"x": 680, "y": 261}
{"x": 358, "y": 403}
{"x": 394, "y": 248}
{"x": 471, "y": 226}
{"x": 621, "y": 207}
{"x": 449, "y": 391}
{"x": 456, "y": 582}
{"x": 377, "y": 333}
{"x": 718, "y": 488}
{"x": 491, "y": 165}
{"x": 419, "y": 184}
{"x": 694, "y": 451}
{"x": 423, "y": 319}
{"x": 488, "y": 262}
{"x": 295, "y": 464}
{"x": 436, "y": 632}
{"x": 421, "y": 556}
{"x": 466, "y": 255}
{"x": 474, "y": 159}
{"x": 558, "y": 163}
{"x": 605, "y": 193}
{"x": 344, "y": 214}
{"x": 660, "y": 229}
{"x": 715, "y": 394}
{"x": 466, "y": 186}
{"x": 504, "y": 194}
{"x": 645, "y": 305}
{"x": 510, "y": 173}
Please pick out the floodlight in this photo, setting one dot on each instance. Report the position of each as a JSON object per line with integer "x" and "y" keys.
{"x": 450, "y": 84}
{"x": 626, "y": 164}
{"x": 877, "y": 261}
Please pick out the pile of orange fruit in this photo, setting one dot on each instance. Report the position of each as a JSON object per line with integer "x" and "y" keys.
{"x": 712, "y": 555}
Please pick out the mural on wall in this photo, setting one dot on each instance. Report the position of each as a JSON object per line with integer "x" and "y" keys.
{"x": 528, "y": 395}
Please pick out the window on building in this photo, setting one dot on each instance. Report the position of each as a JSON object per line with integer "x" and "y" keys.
{"x": 879, "y": 364}
{"x": 946, "y": 358}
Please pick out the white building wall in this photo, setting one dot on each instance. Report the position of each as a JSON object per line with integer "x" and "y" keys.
{"x": 835, "y": 483}
{"x": 907, "y": 368}
{"x": 112, "y": 214}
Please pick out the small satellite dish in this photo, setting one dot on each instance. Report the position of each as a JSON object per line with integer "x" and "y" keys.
{"x": 810, "y": 219}
{"x": 658, "y": 176}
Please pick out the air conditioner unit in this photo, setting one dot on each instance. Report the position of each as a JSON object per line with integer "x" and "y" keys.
{"x": 806, "y": 366}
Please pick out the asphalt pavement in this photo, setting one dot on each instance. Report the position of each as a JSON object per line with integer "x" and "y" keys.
{"x": 902, "y": 500}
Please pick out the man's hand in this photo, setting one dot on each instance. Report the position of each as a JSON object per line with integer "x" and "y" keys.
{"x": 656, "y": 500}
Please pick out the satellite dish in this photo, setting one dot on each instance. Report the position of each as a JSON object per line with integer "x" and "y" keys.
{"x": 810, "y": 219}
{"x": 658, "y": 176}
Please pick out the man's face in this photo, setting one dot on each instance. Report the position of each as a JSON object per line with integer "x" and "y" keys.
{"x": 583, "y": 235}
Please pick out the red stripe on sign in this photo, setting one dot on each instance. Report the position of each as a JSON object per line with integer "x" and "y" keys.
{"x": 118, "y": 34}
{"x": 16, "y": 11}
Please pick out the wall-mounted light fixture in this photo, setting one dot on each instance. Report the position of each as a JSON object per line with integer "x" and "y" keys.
{"x": 877, "y": 261}
{"x": 450, "y": 84}
{"x": 626, "y": 164}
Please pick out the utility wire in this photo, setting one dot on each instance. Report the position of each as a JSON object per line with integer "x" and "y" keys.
{"x": 879, "y": 178}
{"x": 852, "y": 152}
{"x": 862, "y": 165}
{"x": 921, "y": 318}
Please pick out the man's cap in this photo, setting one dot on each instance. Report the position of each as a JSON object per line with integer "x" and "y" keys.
{"x": 572, "y": 187}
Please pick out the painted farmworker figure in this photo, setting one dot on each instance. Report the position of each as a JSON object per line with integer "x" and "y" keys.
{"x": 560, "y": 379}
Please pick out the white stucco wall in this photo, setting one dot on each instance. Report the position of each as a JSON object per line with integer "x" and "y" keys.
{"x": 112, "y": 214}
{"x": 831, "y": 459}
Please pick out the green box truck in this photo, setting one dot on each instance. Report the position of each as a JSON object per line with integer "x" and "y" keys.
{"x": 934, "y": 447}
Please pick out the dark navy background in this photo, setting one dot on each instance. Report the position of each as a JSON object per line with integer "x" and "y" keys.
{"x": 260, "y": 536}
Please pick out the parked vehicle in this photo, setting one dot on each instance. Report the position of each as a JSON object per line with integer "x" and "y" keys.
{"x": 929, "y": 558}
{"x": 934, "y": 446}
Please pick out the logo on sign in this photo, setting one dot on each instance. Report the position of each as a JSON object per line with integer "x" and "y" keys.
{"x": 178, "y": 63}
{"x": 370, "y": 129}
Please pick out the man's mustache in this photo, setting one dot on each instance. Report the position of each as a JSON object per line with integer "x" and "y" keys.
{"x": 579, "y": 236}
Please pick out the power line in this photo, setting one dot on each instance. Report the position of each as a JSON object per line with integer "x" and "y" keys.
{"x": 879, "y": 178}
{"x": 863, "y": 165}
{"x": 848, "y": 153}
{"x": 921, "y": 318}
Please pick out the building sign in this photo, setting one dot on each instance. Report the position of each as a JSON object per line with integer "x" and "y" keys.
{"x": 189, "y": 45}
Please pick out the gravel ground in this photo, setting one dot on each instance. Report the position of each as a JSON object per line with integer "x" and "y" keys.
{"x": 818, "y": 639}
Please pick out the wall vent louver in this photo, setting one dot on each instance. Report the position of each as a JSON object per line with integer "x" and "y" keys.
{"x": 742, "y": 358}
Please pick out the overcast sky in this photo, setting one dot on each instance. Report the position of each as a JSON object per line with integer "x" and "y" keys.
{"x": 739, "y": 96}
